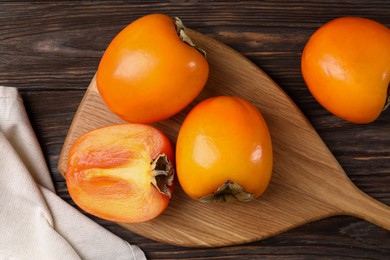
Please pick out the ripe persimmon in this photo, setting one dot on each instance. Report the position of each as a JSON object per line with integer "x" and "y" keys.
{"x": 151, "y": 70}
{"x": 346, "y": 66}
{"x": 122, "y": 173}
{"x": 224, "y": 151}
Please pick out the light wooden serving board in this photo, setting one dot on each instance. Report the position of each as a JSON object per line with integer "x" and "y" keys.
{"x": 308, "y": 183}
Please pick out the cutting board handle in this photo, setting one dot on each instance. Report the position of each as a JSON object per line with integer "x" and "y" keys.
{"x": 355, "y": 202}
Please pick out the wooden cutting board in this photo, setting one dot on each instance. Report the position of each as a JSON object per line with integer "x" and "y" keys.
{"x": 308, "y": 183}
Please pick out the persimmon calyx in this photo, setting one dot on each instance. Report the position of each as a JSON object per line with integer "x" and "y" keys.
{"x": 387, "y": 103}
{"x": 180, "y": 29}
{"x": 227, "y": 193}
{"x": 162, "y": 174}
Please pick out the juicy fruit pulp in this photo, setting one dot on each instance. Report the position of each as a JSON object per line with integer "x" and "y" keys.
{"x": 121, "y": 173}
{"x": 224, "y": 158}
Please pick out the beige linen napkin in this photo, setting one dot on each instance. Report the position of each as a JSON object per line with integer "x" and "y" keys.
{"x": 34, "y": 222}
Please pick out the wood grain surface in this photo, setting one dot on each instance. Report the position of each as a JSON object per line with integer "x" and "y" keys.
{"x": 50, "y": 51}
{"x": 307, "y": 183}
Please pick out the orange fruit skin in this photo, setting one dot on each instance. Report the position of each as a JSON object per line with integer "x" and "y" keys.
{"x": 223, "y": 139}
{"x": 147, "y": 73}
{"x": 346, "y": 66}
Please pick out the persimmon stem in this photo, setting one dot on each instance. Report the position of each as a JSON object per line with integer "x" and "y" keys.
{"x": 227, "y": 193}
{"x": 163, "y": 174}
{"x": 180, "y": 29}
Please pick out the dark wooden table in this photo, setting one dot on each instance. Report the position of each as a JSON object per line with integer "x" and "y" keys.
{"x": 50, "y": 51}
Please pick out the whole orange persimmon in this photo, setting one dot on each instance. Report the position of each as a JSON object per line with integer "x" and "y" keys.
{"x": 122, "y": 173}
{"x": 224, "y": 151}
{"x": 151, "y": 70}
{"x": 346, "y": 66}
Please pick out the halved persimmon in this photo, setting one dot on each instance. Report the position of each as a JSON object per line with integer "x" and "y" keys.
{"x": 122, "y": 173}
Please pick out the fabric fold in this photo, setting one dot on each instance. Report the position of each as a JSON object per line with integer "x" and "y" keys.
{"x": 35, "y": 223}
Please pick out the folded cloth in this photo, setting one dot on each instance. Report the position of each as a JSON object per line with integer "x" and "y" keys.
{"x": 34, "y": 222}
